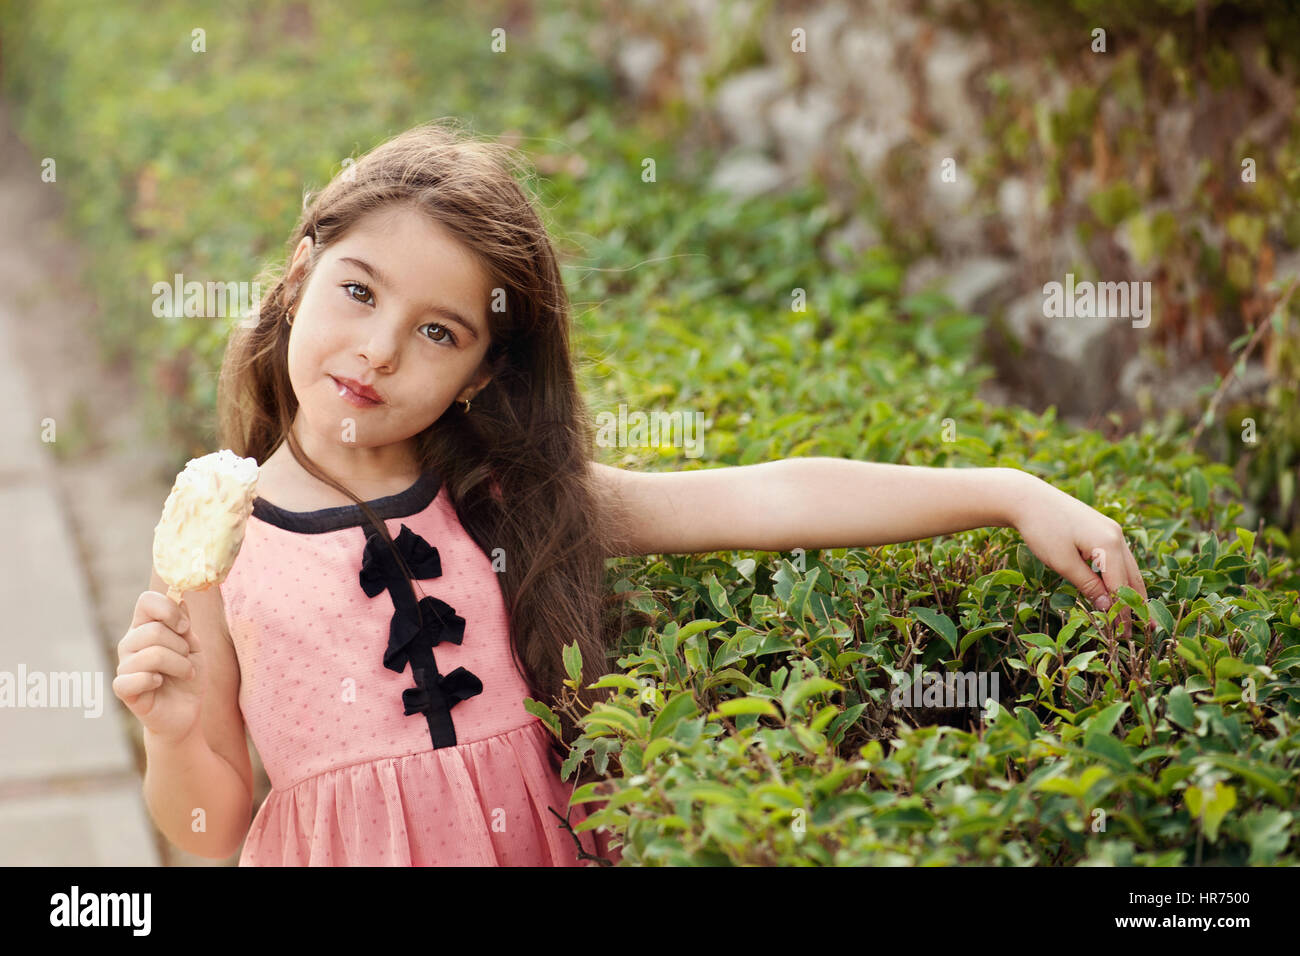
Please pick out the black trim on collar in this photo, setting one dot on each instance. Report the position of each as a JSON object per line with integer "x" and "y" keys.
{"x": 404, "y": 504}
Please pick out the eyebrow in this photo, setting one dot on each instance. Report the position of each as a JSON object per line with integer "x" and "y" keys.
{"x": 383, "y": 280}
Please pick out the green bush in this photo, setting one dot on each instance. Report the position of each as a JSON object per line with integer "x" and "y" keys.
{"x": 754, "y": 723}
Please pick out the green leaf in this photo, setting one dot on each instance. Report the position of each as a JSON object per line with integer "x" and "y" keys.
{"x": 783, "y": 581}
{"x": 602, "y": 747}
{"x": 695, "y": 627}
{"x": 718, "y": 596}
{"x": 1129, "y": 596}
{"x": 1091, "y": 776}
{"x": 940, "y": 623}
{"x": 678, "y": 707}
{"x": 1104, "y": 722}
{"x": 1005, "y": 576}
{"x": 800, "y": 594}
{"x": 777, "y": 795}
{"x": 588, "y": 793}
{"x": 746, "y": 567}
{"x": 538, "y": 709}
{"x": 573, "y": 661}
{"x": 1077, "y": 620}
{"x": 907, "y": 818}
{"x": 707, "y": 792}
{"x": 1080, "y": 662}
{"x": 1200, "y": 489}
{"x": 607, "y": 715}
{"x": 624, "y": 797}
{"x": 1261, "y": 776}
{"x": 748, "y": 705}
{"x": 1085, "y": 488}
{"x": 1179, "y": 709}
{"x": 798, "y": 693}
{"x": 616, "y": 680}
{"x": 576, "y": 753}
{"x": 823, "y": 717}
{"x": 1247, "y": 538}
{"x": 1160, "y": 614}
{"x": 1211, "y": 808}
{"x": 970, "y": 637}
{"x": 774, "y": 642}
{"x": 1109, "y": 749}
{"x": 939, "y": 774}
{"x": 1268, "y": 831}
{"x": 729, "y": 675}
{"x": 1066, "y": 785}
{"x": 1031, "y": 569}
{"x": 658, "y": 746}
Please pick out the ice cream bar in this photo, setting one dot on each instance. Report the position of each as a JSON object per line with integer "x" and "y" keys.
{"x": 202, "y": 526}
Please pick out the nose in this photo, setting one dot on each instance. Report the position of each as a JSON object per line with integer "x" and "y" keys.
{"x": 381, "y": 350}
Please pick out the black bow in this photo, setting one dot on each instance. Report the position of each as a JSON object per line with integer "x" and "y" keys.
{"x": 440, "y": 693}
{"x": 441, "y": 623}
{"x": 378, "y": 569}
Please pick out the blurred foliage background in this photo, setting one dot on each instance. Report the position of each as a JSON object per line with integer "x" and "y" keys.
{"x": 172, "y": 161}
{"x": 1154, "y": 141}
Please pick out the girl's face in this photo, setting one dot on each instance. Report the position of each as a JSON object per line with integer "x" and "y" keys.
{"x": 398, "y": 305}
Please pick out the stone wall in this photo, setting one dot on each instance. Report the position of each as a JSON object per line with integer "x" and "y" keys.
{"x": 1115, "y": 164}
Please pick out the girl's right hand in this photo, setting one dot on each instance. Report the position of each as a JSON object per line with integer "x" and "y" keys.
{"x": 160, "y": 668}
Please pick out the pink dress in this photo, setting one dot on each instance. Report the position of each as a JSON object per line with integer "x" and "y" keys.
{"x": 389, "y": 742}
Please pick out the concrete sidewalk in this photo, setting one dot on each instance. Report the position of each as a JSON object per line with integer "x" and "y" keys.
{"x": 70, "y": 789}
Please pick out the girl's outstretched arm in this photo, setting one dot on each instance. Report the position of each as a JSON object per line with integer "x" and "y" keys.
{"x": 816, "y": 503}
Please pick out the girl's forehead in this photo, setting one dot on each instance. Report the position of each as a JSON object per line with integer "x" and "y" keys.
{"x": 406, "y": 234}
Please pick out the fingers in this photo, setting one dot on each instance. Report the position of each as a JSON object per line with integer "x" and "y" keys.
{"x": 149, "y": 634}
{"x": 1108, "y": 560}
{"x": 157, "y": 658}
{"x": 1135, "y": 575}
{"x": 152, "y": 649}
{"x": 133, "y": 685}
{"x": 152, "y": 606}
{"x": 1089, "y": 584}
{"x": 1114, "y": 573}
{"x": 1119, "y": 568}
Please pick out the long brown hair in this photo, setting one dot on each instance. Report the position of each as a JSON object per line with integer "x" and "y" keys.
{"x": 529, "y": 431}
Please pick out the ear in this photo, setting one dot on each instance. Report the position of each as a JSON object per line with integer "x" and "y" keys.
{"x": 298, "y": 265}
{"x": 479, "y": 384}
{"x": 486, "y": 370}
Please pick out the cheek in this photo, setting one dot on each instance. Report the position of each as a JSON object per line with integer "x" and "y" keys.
{"x": 304, "y": 365}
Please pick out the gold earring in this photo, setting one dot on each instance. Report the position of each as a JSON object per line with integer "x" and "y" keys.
{"x": 288, "y": 317}
{"x": 467, "y": 404}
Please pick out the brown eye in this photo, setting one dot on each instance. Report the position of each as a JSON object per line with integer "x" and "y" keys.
{"x": 358, "y": 285}
{"x": 450, "y": 335}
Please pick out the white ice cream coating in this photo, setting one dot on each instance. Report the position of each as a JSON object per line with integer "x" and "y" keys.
{"x": 202, "y": 527}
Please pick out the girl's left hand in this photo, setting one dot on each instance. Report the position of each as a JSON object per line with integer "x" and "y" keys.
{"x": 1079, "y": 543}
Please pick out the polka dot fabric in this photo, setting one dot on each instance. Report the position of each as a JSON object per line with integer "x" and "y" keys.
{"x": 354, "y": 780}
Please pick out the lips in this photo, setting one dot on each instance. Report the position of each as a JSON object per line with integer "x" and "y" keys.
{"x": 365, "y": 391}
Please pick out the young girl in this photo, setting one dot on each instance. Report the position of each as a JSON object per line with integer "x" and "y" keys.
{"x": 430, "y": 531}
